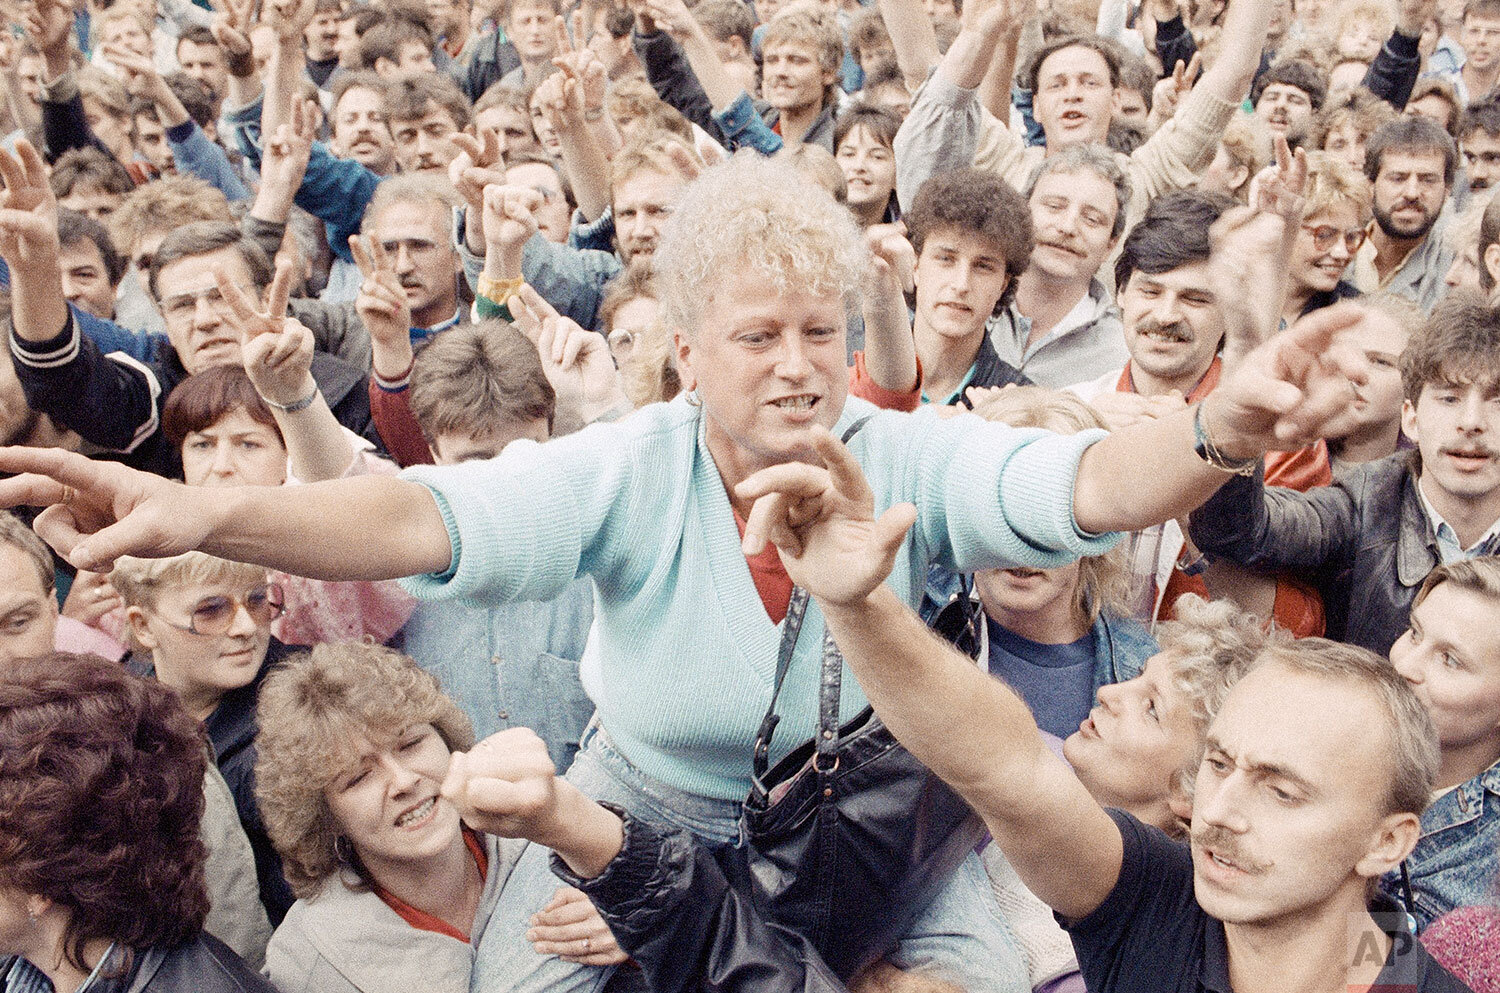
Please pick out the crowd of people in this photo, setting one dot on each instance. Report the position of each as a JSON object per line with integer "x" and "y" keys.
{"x": 456, "y": 447}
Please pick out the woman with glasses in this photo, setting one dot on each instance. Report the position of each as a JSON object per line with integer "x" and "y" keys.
{"x": 202, "y": 626}
{"x": 1333, "y": 229}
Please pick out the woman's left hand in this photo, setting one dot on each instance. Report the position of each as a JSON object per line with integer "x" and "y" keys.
{"x": 570, "y": 928}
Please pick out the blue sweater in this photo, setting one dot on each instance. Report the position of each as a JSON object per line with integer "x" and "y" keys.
{"x": 686, "y": 654}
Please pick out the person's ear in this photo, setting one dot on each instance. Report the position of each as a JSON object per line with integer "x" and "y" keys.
{"x": 1409, "y": 422}
{"x": 684, "y": 346}
{"x": 1178, "y": 800}
{"x": 384, "y": 67}
{"x": 1392, "y": 841}
{"x": 1492, "y": 262}
{"x": 140, "y": 630}
{"x": 1240, "y": 174}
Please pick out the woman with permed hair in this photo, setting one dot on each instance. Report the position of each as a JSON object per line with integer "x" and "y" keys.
{"x": 101, "y": 869}
{"x": 393, "y": 890}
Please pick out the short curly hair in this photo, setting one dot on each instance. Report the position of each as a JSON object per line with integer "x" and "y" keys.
{"x": 769, "y": 221}
{"x": 101, "y": 795}
{"x": 312, "y": 710}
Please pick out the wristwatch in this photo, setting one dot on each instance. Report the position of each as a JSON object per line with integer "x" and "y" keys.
{"x": 1205, "y": 449}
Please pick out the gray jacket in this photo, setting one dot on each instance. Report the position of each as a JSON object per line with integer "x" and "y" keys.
{"x": 1067, "y": 355}
{"x": 347, "y": 941}
{"x": 235, "y": 914}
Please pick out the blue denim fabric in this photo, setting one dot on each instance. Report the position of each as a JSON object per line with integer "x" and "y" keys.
{"x": 962, "y": 934}
{"x": 511, "y": 665}
{"x": 1457, "y": 859}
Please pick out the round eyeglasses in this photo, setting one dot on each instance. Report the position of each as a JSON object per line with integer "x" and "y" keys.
{"x": 215, "y": 615}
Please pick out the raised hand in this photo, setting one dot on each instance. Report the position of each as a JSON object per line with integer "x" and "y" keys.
{"x": 822, "y": 521}
{"x": 506, "y": 785}
{"x": 90, "y": 598}
{"x": 1291, "y": 390}
{"x": 571, "y": 928}
{"x": 577, "y": 362}
{"x": 480, "y": 161}
{"x": 1169, "y": 91}
{"x": 231, "y": 29}
{"x": 509, "y": 222}
{"x": 284, "y": 162}
{"x": 893, "y": 262}
{"x": 48, "y": 23}
{"x": 277, "y": 350}
{"x": 1278, "y": 188}
{"x": 289, "y": 18}
{"x": 141, "y": 77}
{"x": 672, "y": 16}
{"x": 28, "y": 211}
{"x": 382, "y": 306}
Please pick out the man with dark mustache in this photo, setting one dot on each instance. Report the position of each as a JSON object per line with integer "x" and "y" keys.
{"x": 1375, "y": 534}
{"x": 1174, "y": 330}
{"x": 1411, "y": 162}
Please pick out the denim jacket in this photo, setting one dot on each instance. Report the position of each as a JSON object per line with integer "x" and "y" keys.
{"x": 511, "y": 665}
{"x": 1121, "y": 645}
{"x": 1457, "y": 858}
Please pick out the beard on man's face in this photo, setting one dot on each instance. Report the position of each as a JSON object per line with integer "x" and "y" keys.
{"x": 1405, "y": 227}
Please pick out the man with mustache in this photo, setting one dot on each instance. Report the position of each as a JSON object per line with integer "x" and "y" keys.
{"x": 360, "y": 131}
{"x": 1375, "y": 534}
{"x": 1063, "y": 325}
{"x": 410, "y": 217}
{"x": 1411, "y": 161}
{"x": 1290, "y": 826}
{"x": 1174, "y": 330}
{"x": 1288, "y": 95}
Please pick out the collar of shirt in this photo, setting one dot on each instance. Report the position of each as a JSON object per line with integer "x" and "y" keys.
{"x": 422, "y": 334}
{"x": 1449, "y": 550}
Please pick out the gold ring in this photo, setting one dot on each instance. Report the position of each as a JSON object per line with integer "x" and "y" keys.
{"x": 585, "y": 944}
{"x": 68, "y": 494}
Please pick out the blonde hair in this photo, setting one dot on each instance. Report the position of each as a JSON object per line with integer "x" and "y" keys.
{"x": 1247, "y": 144}
{"x": 141, "y": 581}
{"x": 768, "y": 222}
{"x": 1209, "y": 646}
{"x": 416, "y": 188}
{"x": 1104, "y": 581}
{"x": 165, "y": 205}
{"x": 1332, "y": 183}
{"x": 314, "y": 709}
{"x": 805, "y": 23}
{"x": 818, "y": 164}
{"x": 650, "y": 152}
{"x": 96, "y": 84}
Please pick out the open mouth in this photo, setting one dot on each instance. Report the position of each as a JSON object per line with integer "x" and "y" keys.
{"x": 418, "y": 813}
{"x": 801, "y": 403}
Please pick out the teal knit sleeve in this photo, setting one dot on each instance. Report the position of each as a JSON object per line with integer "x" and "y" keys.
{"x": 989, "y": 495}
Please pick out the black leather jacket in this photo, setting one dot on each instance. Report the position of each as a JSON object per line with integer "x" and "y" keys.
{"x": 670, "y": 905}
{"x": 203, "y": 965}
{"x": 1366, "y": 539}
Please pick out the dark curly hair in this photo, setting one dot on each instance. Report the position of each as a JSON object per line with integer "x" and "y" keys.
{"x": 979, "y": 203}
{"x": 101, "y": 794}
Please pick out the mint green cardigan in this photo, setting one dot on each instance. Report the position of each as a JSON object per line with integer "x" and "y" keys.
{"x": 685, "y": 652}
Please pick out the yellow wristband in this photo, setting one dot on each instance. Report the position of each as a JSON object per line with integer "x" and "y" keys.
{"x": 498, "y": 290}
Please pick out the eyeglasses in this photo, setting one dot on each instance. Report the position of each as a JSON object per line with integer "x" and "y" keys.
{"x": 181, "y": 307}
{"x": 215, "y": 615}
{"x": 1324, "y": 235}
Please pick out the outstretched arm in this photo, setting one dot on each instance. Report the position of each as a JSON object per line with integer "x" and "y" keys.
{"x": 99, "y": 511}
{"x": 972, "y": 731}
